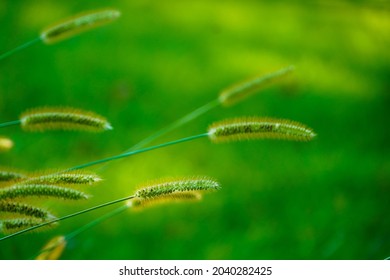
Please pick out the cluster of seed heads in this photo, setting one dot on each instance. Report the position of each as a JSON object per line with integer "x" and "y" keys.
{"x": 16, "y": 186}
{"x": 21, "y": 186}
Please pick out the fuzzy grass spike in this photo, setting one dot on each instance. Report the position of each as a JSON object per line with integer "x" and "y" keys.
{"x": 64, "y": 178}
{"x": 39, "y": 190}
{"x": 78, "y": 24}
{"x": 241, "y": 91}
{"x": 9, "y": 176}
{"x": 248, "y": 128}
{"x": 177, "y": 185}
{"x": 42, "y": 119}
{"x": 12, "y": 225}
{"x": 24, "y": 209}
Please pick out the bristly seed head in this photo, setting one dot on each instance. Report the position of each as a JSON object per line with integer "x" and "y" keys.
{"x": 177, "y": 185}
{"x": 7, "y": 175}
{"x": 24, "y": 209}
{"x": 78, "y": 24}
{"x": 240, "y": 91}
{"x": 12, "y": 225}
{"x": 64, "y": 178}
{"x": 52, "y": 118}
{"x": 39, "y": 190}
{"x": 259, "y": 128}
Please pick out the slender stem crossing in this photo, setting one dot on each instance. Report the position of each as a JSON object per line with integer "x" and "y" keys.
{"x": 19, "y": 48}
{"x": 16, "y": 122}
{"x": 136, "y": 152}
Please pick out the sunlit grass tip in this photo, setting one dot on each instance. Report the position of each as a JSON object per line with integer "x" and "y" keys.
{"x": 25, "y": 210}
{"x": 247, "y": 128}
{"x": 163, "y": 187}
{"x": 53, "y": 249}
{"x": 40, "y": 190}
{"x": 6, "y": 144}
{"x": 245, "y": 89}
{"x": 57, "y": 118}
{"x": 78, "y": 24}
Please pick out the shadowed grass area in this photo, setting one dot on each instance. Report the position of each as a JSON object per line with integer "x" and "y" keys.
{"x": 326, "y": 199}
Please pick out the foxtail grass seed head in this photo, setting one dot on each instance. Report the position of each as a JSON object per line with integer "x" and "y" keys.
{"x": 248, "y": 128}
{"x": 6, "y": 144}
{"x": 178, "y": 185}
{"x": 38, "y": 190}
{"x": 24, "y": 209}
{"x": 78, "y": 24}
{"x": 64, "y": 178}
{"x": 138, "y": 203}
{"x": 53, "y": 249}
{"x": 12, "y": 225}
{"x": 10, "y": 176}
{"x": 241, "y": 91}
{"x": 42, "y": 119}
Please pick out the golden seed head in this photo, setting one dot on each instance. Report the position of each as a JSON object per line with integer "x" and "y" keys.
{"x": 53, "y": 249}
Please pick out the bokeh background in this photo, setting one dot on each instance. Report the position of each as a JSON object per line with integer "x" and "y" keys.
{"x": 327, "y": 199}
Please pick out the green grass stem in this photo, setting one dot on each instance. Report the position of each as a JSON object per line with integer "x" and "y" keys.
{"x": 19, "y": 48}
{"x": 11, "y": 123}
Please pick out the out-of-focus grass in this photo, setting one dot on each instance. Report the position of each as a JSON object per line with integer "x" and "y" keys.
{"x": 321, "y": 200}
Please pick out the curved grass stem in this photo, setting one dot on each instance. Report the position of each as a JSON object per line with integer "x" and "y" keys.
{"x": 19, "y": 48}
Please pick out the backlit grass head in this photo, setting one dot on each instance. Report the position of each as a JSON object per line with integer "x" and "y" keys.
{"x": 165, "y": 187}
{"x": 243, "y": 90}
{"x": 53, "y": 118}
{"x": 248, "y": 128}
{"x": 78, "y": 24}
{"x": 53, "y": 249}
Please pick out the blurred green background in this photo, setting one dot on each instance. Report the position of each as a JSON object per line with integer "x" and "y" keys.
{"x": 326, "y": 199}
